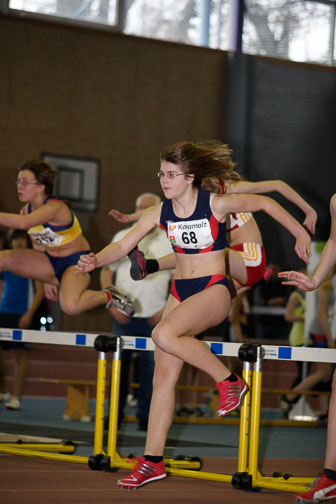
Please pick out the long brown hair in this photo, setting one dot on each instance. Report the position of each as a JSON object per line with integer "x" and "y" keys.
{"x": 209, "y": 161}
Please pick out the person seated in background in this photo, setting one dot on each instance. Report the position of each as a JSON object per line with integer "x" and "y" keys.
{"x": 20, "y": 300}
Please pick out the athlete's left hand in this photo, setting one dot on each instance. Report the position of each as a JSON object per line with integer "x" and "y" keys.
{"x": 310, "y": 221}
{"x": 297, "y": 279}
{"x": 302, "y": 246}
{"x": 86, "y": 263}
{"x": 120, "y": 217}
{"x": 51, "y": 292}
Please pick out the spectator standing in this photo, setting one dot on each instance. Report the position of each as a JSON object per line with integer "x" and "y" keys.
{"x": 149, "y": 297}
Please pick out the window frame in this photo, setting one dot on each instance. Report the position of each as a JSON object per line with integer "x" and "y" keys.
{"x": 117, "y": 27}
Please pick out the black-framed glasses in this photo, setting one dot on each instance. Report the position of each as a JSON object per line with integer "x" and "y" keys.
{"x": 169, "y": 175}
{"x": 25, "y": 182}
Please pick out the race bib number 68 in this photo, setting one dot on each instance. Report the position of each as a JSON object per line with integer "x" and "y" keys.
{"x": 190, "y": 234}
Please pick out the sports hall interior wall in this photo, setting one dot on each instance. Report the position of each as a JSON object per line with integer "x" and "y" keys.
{"x": 281, "y": 119}
{"x": 97, "y": 94}
{"x": 120, "y": 99}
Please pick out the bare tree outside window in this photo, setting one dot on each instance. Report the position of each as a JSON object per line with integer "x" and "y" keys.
{"x": 296, "y": 30}
{"x": 95, "y": 11}
{"x": 163, "y": 19}
{"x": 299, "y": 30}
{"x": 178, "y": 21}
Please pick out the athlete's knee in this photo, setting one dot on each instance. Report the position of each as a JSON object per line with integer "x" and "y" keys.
{"x": 161, "y": 336}
{"x": 70, "y": 307}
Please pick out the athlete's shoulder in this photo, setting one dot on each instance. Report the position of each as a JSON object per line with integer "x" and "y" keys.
{"x": 218, "y": 201}
{"x": 55, "y": 202}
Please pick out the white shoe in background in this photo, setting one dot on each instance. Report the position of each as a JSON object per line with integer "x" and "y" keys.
{"x": 4, "y": 396}
{"x": 13, "y": 404}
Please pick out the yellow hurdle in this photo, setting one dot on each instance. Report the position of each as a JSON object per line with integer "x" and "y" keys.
{"x": 100, "y": 404}
{"x": 66, "y": 448}
{"x": 292, "y": 484}
{"x": 248, "y": 476}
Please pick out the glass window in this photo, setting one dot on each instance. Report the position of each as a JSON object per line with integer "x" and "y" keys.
{"x": 299, "y": 31}
{"x": 219, "y": 33}
{"x": 178, "y": 21}
{"x": 163, "y": 19}
{"x": 94, "y": 11}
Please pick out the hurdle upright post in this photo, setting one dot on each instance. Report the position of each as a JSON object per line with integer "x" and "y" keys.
{"x": 256, "y": 479}
{"x": 245, "y": 419}
{"x": 103, "y": 345}
{"x": 100, "y": 398}
{"x": 114, "y": 403}
{"x": 255, "y": 415}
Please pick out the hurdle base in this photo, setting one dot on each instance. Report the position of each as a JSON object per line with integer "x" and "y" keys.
{"x": 39, "y": 454}
{"x": 243, "y": 481}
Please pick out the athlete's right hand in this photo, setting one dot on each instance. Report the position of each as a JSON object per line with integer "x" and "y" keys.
{"x": 120, "y": 217}
{"x": 297, "y": 279}
{"x": 86, "y": 263}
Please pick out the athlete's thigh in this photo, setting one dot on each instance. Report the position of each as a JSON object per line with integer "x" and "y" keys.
{"x": 28, "y": 263}
{"x": 171, "y": 304}
{"x": 197, "y": 313}
{"x": 71, "y": 285}
{"x": 236, "y": 267}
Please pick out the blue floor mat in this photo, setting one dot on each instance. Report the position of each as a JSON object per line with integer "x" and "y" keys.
{"x": 44, "y": 417}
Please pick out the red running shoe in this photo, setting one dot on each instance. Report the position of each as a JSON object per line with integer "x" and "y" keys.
{"x": 230, "y": 394}
{"x": 143, "y": 472}
{"x": 322, "y": 489}
{"x": 138, "y": 269}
